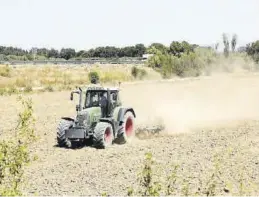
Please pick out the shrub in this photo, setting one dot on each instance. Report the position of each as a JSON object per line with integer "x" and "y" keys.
{"x": 134, "y": 71}
{"x": 138, "y": 72}
{"x": 148, "y": 187}
{"x": 14, "y": 153}
{"x": 93, "y": 75}
{"x": 5, "y": 71}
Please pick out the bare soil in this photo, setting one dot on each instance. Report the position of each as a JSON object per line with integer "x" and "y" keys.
{"x": 202, "y": 118}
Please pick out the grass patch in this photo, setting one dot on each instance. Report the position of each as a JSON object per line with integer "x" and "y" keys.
{"x": 65, "y": 78}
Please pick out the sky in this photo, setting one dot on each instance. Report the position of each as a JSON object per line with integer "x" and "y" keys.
{"x": 85, "y": 24}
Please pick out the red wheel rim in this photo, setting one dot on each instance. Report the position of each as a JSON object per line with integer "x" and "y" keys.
{"x": 129, "y": 127}
{"x": 108, "y": 135}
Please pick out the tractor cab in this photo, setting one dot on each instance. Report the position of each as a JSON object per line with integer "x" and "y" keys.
{"x": 105, "y": 98}
{"x": 93, "y": 97}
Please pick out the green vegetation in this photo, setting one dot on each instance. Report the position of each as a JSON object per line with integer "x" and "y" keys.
{"x": 5, "y": 71}
{"x": 188, "y": 60}
{"x": 94, "y": 75}
{"x": 138, "y": 73}
{"x": 253, "y": 50}
{"x": 176, "y": 48}
{"x": 12, "y": 53}
{"x": 15, "y": 153}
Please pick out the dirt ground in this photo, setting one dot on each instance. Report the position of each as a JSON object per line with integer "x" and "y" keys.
{"x": 202, "y": 117}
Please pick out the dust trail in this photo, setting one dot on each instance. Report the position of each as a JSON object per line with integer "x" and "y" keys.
{"x": 186, "y": 105}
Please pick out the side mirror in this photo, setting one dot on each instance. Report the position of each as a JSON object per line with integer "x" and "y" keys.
{"x": 71, "y": 97}
{"x": 77, "y": 107}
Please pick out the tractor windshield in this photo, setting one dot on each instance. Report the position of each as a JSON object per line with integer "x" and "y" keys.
{"x": 93, "y": 98}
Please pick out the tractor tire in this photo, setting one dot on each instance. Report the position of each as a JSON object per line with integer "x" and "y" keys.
{"x": 128, "y": 132}
{"x": 62, "y": 127}
{"x": 103, "y": 135}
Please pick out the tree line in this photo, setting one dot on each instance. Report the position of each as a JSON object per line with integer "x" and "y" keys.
{"x": 13, "y": 53}
{"x": 176, "y": 48}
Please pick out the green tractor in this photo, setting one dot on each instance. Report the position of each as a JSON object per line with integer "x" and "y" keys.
{"x": 101, "y": 119}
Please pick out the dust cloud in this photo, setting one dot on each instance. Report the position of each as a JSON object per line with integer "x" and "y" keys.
{"x": 185, "y": 105}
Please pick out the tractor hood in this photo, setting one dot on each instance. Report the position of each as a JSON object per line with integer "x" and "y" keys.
{"x": 88, "y": 116}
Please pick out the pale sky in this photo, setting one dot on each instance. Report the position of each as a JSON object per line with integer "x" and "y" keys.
{"x": 83, "y": 24}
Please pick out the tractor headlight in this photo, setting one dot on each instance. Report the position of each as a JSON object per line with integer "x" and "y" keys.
{"x": 83, "y": 119}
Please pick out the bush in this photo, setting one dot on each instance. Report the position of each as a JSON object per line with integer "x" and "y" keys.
{"x": 202, "y": 61}
{"x": 5, "y": 71}
{"x": 14, "y": 153}
{"x": 138, "y": 72}
{"x": 134, "y": 71}
{"x": 93, "y": 75}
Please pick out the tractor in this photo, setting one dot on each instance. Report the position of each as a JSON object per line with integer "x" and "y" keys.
{"x": 101, "y": 119}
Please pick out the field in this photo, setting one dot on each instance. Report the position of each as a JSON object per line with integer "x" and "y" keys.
{"x": 204, "y": 118}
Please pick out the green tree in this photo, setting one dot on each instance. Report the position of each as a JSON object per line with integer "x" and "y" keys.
{"x": 162, "y": 48}
{"x": 52, "y": 53}
{"x": 252, "y": 50}
{"x": 67, "y": 53}
{"x": 177, "y": 48}
{"x": 140, "y": 50}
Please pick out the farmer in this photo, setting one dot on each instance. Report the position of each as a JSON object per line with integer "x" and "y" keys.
{"x": 103, "y": 104}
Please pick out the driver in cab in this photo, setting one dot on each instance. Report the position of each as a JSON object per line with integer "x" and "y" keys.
{"x": 103, "y": 104}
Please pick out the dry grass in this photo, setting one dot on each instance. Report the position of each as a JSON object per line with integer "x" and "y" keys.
{"x": 61, "y": 77}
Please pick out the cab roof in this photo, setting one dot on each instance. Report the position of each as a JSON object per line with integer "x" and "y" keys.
{"x": 99, "y": 87}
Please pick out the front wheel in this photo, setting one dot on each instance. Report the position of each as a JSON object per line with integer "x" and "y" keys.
{"x": 128, "y": 131}
{"x": 61, "y": 138}
{"x": 103, "y": 135}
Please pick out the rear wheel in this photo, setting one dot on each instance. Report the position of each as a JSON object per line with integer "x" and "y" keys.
{"x": 103, "y": 135}
{"x": 61, "y": 138}
{"x": 128, "y": 132}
